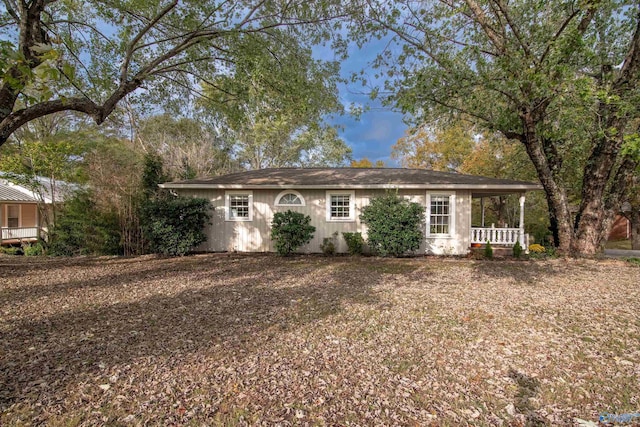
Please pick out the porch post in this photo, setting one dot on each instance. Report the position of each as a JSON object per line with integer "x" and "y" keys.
{"x": 482, "y": 210}
{"x": 38, "y": 229}
{"x": 521, "y": 225}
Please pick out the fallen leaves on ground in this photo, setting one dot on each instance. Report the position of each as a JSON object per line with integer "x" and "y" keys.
{"x": 307, "y": 340}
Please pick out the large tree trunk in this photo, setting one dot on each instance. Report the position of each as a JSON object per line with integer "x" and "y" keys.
{"x": 546, "y": 162}
{"x": 603, "y": 185}
{"x": 634, "y": 219}
{"x": 601, "y": 193}
{"x": 600, "y": 200}
{"x": 590, "y": 225}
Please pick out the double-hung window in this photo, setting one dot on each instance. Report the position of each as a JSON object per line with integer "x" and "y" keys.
{"x": 341, "y": 206}
{"x": 239, "y": 206}
{"x": 441, "y": 214}
{"x": 13, "y": 216}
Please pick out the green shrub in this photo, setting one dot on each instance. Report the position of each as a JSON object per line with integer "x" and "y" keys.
{"x": 175, "y": 225}
{"x": 152, "y": 175}
{"x": 394, "y": 225}
{"x": 536, "y": 248}
{"x": 10, "y": 250}
{"x": 82, "y": 229}
{"x": 488, "y": 251}
{"x": 517, "y": 250}
{"x": 290, "y": 230}
{"x": 328, "y": 245}
{"x": 551, "y": 251}
{"x": 35, "y": 249}
{"x": 355, "y": 242}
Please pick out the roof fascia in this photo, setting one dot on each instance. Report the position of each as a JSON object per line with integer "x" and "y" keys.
{"x": 487, "y": 187}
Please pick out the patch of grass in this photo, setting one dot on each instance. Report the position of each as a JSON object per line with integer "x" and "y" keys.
{"x": 618, "y": 244}
{"x": 633, "y": 261}
{"x": 392, "y": 267}
{"x": 399, "y": 365}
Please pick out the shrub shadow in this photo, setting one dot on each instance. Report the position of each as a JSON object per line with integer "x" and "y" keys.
{"x": 235, "y": 303}
{"x": 525, "y": 272}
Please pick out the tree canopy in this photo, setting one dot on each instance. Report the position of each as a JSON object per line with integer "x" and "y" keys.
{"x": 366, "y": 163}
{"x": 442, "y": 149}
{"x": 87, "y": 56}
{"x": 189, "y": 147}
{"x": 274, "y": 105}
{"x": 560, "y": 77}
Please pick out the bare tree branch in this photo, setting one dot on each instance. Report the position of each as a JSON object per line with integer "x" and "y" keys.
{"x": 482, "y": 19}
{"x": 516, "y": 31}
{"x": 130, "y": 49}
{"x": 12, "y": 7}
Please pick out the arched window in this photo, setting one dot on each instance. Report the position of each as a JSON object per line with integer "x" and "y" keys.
{"x": 290, "y": 198}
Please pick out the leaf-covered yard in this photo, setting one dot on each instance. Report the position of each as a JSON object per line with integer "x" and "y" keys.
{"x": 231, "y": 339}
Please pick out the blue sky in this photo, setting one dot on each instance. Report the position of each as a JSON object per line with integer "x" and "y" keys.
{"x": 378, "y": 127}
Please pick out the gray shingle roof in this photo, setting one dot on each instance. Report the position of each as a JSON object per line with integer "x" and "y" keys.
{"x": 11, "y": 191}
{"x": 353, "y": 178}
{"x": 12, "y": 194}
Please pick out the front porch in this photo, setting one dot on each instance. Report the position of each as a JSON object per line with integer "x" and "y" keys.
{"x": 505, "y": 236}
{"x": 498, "y": 236}
{"x": 20, "y": 222}
{"x": 14, "y": 235}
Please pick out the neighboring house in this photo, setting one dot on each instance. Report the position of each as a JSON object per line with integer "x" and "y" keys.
{"x": 244, "y": 204}
{"x": 621, "y": 229}
{"x": 22, "y": 210}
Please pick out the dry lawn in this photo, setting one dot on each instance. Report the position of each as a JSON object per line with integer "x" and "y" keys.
{"x": 262, "y": 340}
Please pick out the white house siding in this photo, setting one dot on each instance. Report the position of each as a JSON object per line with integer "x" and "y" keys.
{"x": 255, "y": 235}
{"x": 463, "y": 221}
{"x": 458, "y": 242}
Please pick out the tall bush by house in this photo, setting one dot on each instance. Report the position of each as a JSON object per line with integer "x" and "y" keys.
{"x": 394, "y": 225}
{"x": 291, "y": 230}
{"x": 175, "y": 225}
{"x": 83, "y": 229}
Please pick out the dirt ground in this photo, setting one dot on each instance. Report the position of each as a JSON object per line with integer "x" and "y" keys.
{"x": 260, "y": 340}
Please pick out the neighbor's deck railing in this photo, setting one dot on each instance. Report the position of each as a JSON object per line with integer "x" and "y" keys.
{"x": 499, "y": 236}
{"x": 19, "y": 233}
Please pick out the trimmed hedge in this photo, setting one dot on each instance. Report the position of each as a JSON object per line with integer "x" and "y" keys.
{"x": 394, "y": 225}
{"x": 175, "y": 225}
{"x": 290, "y": 230}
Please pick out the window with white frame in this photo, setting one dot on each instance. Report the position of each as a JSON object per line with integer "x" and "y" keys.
{"x": 13, "y": 216}
{"x": 340, "y": 206}
{"x": 290, "y": 198}
{"x": 239, "y": 206}
{"x": 441, "y": 214}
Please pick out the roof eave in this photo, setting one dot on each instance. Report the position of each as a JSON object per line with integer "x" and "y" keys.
{"x": 488, "y": 187}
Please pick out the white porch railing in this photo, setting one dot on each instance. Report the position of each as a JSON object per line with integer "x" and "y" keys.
{"x": 19, "y": 233}
{"x": 499, "y": 236}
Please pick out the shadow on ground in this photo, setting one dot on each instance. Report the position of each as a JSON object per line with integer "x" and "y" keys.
{"x": 229, "y": 301}
{"x": 522, "y": 271}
